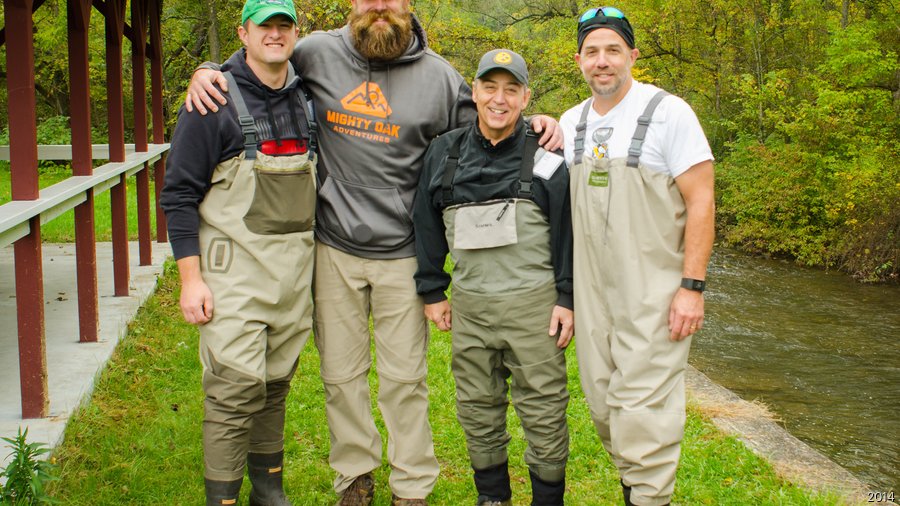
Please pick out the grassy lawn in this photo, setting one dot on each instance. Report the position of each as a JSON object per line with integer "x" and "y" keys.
{"x": 138, "y": 440}
{"x": 62, "y": 228}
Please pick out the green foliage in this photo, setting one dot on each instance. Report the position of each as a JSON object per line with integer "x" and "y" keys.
{"x": 26, "y": 474}
{"x": 801, "y": 94}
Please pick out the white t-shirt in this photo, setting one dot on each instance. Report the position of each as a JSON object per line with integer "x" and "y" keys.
{"x": 675, "y": 141}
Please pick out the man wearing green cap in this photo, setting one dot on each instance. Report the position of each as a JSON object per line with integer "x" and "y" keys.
{"x": 500, "y": 207}
{"x": 642, "y": 212}
{"x": 382, "y": 95}
{"x": 239, "y": 199}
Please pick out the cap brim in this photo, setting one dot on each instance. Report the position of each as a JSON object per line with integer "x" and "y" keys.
{"x": 519, "y": 77}
{"x": 265, "y": 13}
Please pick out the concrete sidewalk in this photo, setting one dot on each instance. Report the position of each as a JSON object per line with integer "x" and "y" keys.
{"x": 72, "y": 367}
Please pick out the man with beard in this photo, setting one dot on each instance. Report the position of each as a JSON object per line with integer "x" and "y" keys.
{"x": 642, "y": 206}
{"x": 381, "y": 96}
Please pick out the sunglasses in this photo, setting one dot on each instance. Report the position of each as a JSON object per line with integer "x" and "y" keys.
{"x": 610, "y": 12}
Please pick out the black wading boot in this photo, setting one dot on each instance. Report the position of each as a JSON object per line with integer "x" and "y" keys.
{"x": 492, "y": 485}
{"x": 266, "y": 474}
{"x": 626, "y": 493}
{"x": 222, "y": 493}
{"x": 545, "y": 493}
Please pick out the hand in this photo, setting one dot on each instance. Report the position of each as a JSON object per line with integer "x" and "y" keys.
{"x": 201, "y": 91}
{"x": 196, "y": 302}
{"x": 562, "y": 321}
{"x": 685, "y": 314}
{"x": 439, "y": 313}
{"x": 552, "y": 138}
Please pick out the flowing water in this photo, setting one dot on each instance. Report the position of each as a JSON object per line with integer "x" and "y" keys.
{"x": 820, "y": 349}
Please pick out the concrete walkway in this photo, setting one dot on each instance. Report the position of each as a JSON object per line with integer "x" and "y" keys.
{"x": 72, "y": 367}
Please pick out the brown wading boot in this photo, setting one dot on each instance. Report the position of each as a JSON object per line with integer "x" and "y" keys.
{"x": 399, "y": 501}
{"x": 222, "y": 493}
{"x": 359, "y": 493}
{"x": 266, "y": 476}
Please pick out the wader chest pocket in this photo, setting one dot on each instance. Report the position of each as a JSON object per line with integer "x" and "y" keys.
{"x": 486, "y": 225}
{"x": 284, "y": 201}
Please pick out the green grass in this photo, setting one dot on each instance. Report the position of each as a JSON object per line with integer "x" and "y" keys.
{"x": 138, "y": 440}
{"x": 62, "y": 228}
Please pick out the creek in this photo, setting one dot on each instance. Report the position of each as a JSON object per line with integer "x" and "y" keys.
{"x": 820, "y": 349}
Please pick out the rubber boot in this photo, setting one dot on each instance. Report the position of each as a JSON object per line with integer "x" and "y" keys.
{"x": 266, "y": 474}
{"x": 222, "y": 493}
{"x": 492, "y": 484}
{"x": 545, "y": 493}
{"x": 626, "y": 493}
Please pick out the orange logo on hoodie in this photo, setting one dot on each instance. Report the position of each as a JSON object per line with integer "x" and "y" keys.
{"x": 367, "y": 99}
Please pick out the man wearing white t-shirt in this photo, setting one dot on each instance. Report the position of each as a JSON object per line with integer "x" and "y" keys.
{"x": 643, "y": 208}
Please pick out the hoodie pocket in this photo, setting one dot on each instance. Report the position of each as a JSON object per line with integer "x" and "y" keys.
{"x": 284, "y": 200}
{"x": 364, "y": 215}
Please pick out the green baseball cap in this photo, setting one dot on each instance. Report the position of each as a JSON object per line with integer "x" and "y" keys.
{"x": 260, "y": 10}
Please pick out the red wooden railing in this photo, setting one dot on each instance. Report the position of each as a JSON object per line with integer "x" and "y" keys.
{"x": 20, "y": 219}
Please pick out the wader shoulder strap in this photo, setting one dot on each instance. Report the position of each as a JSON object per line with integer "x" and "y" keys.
{"x": 309, "y": 107}
{"x": 449, "y": 170}
{"x": 248, "y": 126}
{"x": 640, "y": 133}
{"x": 579, "y": 132}
{"x": 526, "y": 172}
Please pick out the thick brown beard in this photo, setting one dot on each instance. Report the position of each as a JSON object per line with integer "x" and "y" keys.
{"x": 385, "y": 42}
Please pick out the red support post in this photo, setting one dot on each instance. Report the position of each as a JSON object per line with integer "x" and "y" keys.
{"x": 30, "y": 310}
{"x": 24, "y": 186}
{"x": 156, "y": 92}
{"x": 79, "y": 12}
{"x": 115, "y": 26}
{"x": 139, "y": 94}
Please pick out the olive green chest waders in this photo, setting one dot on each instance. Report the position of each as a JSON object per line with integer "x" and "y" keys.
{"x": 504, "y": 292}
{"x": 256, "y": 243}
{"x": 628, "y": 223}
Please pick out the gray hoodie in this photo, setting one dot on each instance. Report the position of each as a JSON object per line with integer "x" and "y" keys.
{"x": 376, "y": 119}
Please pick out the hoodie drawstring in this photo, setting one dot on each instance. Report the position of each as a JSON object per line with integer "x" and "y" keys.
{"x": 276, "y": 133}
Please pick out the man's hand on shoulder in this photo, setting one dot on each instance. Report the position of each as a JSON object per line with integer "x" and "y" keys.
{"x": 549, "y": 130}
{"x": 202, "y": 92}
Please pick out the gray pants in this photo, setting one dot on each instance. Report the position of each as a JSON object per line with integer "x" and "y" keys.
{"x": 498, "y": 338}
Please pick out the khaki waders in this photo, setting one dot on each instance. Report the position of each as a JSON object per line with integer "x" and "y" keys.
{"x": 257, "y": 251}
{"x": 629, "y": 223}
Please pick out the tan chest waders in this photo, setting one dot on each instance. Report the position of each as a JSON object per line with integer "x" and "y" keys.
{"x": 628, "y": 223}
{"x": 504, "y": 292}
{"x": 256, "y": 240}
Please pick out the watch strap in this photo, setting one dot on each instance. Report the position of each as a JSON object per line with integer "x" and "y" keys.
{"x": 697, "y": 285}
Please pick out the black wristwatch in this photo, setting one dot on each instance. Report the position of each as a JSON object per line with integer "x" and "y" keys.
{"x": 697, "y": 285}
